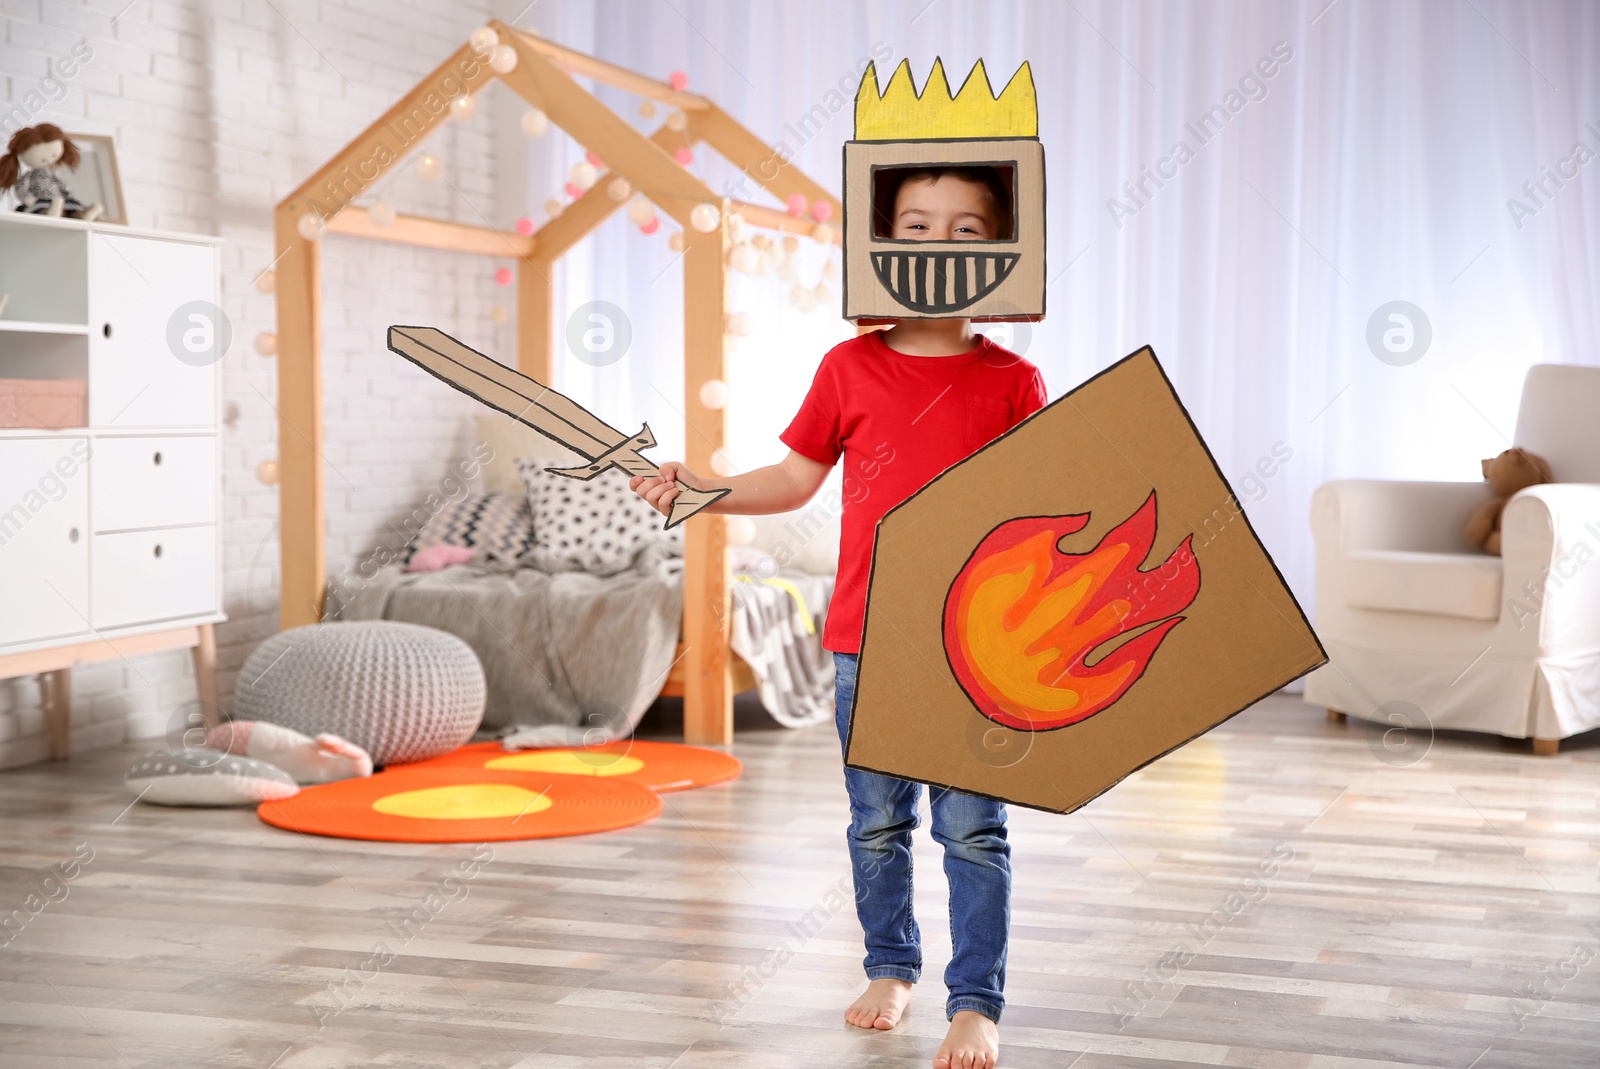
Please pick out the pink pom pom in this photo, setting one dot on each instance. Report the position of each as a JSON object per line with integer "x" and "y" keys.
{"x": 821, "y": 211}
{"x": 679, "y": 80}
{"x": 651, "y": 227}
{"x": 798, "y": 204}
{"x": 230, "y": 736}
{"x": 503, "y": 277}
{"x": 684, "y": 156}
{"x": 594, "y": 161}
{"x": 572, "y": 190}
{"x": 433, "y": 558}
{"x": 525, "y": 226}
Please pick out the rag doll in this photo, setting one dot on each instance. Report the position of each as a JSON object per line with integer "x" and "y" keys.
{"x": 1511, "y": 471}
{"x": 39, "y": 191}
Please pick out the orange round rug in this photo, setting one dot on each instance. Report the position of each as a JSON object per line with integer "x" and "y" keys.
{"x": 662, "y": 766}
{"x": 409, "y": 804}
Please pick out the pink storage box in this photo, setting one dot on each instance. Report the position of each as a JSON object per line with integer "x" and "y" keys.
{"x": 49, "y": 404}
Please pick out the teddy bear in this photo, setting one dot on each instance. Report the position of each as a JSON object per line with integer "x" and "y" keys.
{"x": 39, "y": 190}
{"x": 1508, "y": 473}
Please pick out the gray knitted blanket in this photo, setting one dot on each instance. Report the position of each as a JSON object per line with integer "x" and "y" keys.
{"x": 572, "y": 658}
{"x": 777, "y": 629}
{"x": 579, "y": 656}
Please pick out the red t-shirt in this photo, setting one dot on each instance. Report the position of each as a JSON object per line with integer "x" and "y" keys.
{"x": 898, "y": 421}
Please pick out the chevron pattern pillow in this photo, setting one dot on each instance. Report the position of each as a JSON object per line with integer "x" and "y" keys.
{"x": 500, "y": 523}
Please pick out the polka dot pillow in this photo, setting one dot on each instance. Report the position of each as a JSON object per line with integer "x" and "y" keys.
{"x": 207, "y": 777}
{"x": 596, "y": 524}
{"x": 497, "y": 522}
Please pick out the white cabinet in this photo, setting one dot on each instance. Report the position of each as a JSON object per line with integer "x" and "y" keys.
{"x": 153, "y": 332}
{"x": 44, "y": 539}
{"x": 112, "y": 528}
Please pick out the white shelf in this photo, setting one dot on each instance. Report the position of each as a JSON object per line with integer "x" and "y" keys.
{"x": 24, "y": 326}
{"x": 98, "y": 227}
{"x": 43, "y": 432}
{"x": 107, "y": 432}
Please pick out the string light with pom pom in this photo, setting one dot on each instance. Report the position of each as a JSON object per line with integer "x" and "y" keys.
{"x": 503, "y": 59}
{"x": 704, "y": 217}
{"x": 714, "y": 394}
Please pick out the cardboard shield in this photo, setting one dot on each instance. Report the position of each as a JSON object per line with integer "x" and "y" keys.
{"x": 1071, "y": 602}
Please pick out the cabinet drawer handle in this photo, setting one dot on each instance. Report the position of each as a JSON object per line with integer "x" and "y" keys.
{"x": 72, "y": 535}
{"x": 158, "y": 549}
{"x": 157, "y": 458}
{"x": 105, "y": 330}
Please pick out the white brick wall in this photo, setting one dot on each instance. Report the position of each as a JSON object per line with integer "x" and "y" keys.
{"x": 218, "y": 109}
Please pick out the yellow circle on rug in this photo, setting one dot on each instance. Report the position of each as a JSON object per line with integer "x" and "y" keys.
{"x": 661, "y": 766}
{"x": 569, "y": 762}
{"x": 463, "y": 801}
{"x": 461, "y": 804}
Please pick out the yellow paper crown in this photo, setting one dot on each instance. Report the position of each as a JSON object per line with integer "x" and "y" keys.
{"x": 903, "y": 114}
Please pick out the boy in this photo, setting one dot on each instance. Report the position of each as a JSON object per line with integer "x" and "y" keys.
{"x": 904, "y": 404}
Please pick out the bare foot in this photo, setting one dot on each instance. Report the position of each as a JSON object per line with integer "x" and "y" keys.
{"x": 973, "y": 1042}
{"x": 880, "y": 1005}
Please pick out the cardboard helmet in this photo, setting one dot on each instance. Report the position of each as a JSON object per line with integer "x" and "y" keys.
{"x": 901, "y": 130}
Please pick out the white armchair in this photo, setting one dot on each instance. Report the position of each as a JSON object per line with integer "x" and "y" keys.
{"x": 1409, "y": 612}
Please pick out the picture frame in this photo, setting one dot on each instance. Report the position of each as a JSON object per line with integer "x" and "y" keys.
{"x": 96, "y": 181}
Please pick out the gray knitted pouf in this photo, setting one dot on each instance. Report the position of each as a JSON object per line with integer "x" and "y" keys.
{"x": 400, "y": 691}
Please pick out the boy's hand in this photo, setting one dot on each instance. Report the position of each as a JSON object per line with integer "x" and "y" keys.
{"x": 660, "y": 492}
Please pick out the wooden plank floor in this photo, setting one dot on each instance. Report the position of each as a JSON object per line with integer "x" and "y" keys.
{"x": 1366, "y": 909}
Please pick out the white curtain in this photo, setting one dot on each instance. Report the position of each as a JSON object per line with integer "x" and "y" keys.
{"x": 1425, "y": 152}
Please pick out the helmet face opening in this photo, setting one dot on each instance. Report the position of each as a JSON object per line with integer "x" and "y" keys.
{"x": 996, "y": 279}
{"x": 996, "y": 180}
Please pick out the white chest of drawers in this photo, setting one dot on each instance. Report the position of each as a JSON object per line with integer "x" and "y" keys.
{"x": 110, "y": 535}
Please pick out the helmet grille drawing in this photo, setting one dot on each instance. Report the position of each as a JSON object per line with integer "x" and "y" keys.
{"x": 941, "y": 282}
{"x": 901, "y": 130}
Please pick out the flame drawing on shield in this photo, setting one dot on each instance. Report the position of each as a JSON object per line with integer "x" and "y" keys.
{"x": 1023, "y": 620}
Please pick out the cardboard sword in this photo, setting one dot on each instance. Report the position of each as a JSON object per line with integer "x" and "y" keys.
{"x": 553, "y": 415}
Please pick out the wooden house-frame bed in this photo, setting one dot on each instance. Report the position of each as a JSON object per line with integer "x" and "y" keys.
{"x": 706, "y": 673}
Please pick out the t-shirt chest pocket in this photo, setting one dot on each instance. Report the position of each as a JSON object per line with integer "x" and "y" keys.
{"x": 987, "y": 419}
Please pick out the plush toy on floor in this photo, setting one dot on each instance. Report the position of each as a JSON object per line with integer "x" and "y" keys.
{"x": 39, "y": 191}
{"x": 1510, "y": 472}
{"x": 321, "y": 760}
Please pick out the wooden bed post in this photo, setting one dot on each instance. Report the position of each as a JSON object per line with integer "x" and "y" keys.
{"x": 707, "y": 685}
{"x": 536, "y": 299}
{"x": 303, "y": 553}
{"x": 327, "y": 194}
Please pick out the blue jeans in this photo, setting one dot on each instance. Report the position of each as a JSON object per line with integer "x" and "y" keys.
{"x": 977, "y": 862}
